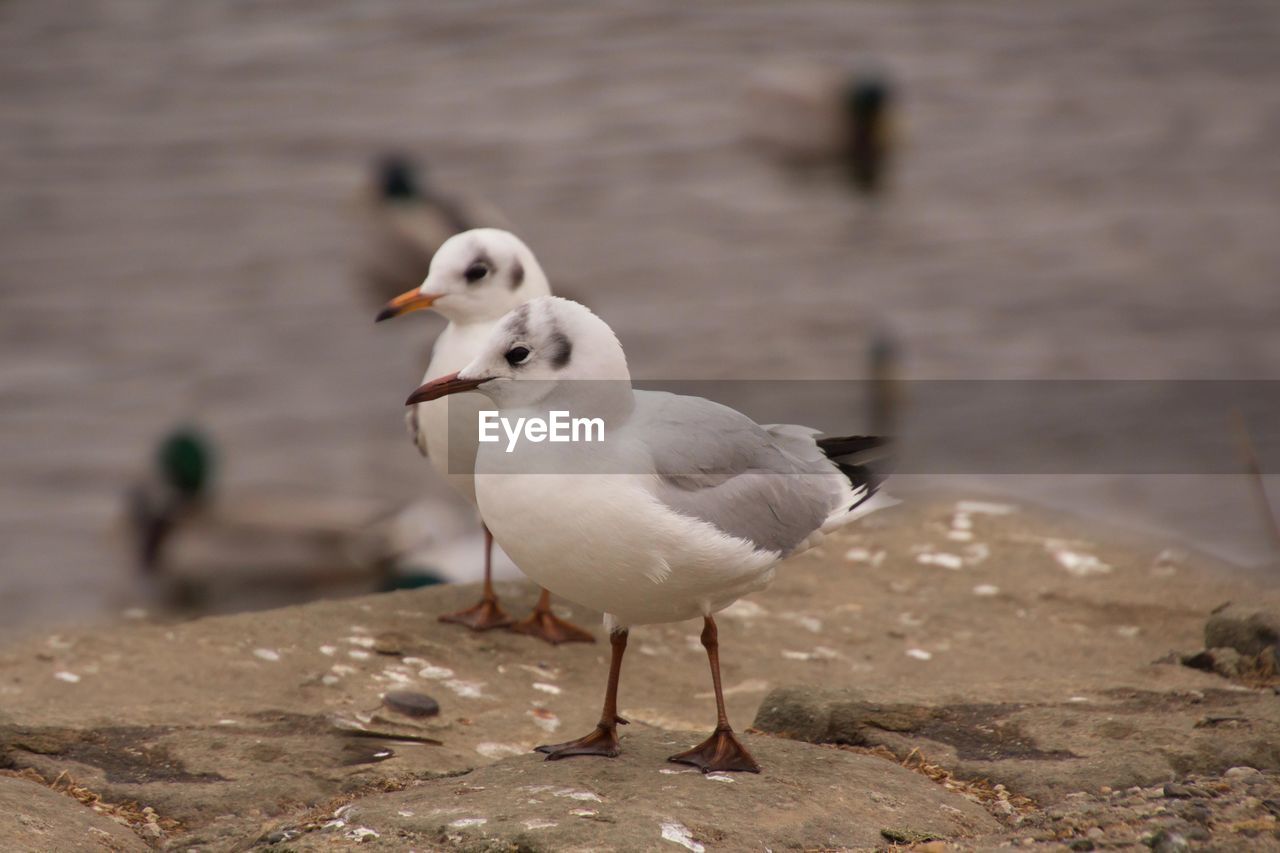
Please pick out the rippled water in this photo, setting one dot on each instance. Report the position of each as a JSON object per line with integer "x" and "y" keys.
{"x": 1086, "y": 189}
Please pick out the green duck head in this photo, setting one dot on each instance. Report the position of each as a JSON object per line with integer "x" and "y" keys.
{"x": 185, "y": 460}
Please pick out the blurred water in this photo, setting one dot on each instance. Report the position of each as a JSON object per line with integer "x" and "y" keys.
{"x": 1087, "y": 190}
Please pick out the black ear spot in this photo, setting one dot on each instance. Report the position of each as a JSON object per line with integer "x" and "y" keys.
{"x": 561, "y": 350}
{"x": 517, "y": 275}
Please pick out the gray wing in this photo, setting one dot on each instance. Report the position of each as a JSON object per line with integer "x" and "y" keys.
{"x": 771, "y": 486}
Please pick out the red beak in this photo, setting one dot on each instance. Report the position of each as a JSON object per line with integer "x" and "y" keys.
{"x": 442, "y": 387}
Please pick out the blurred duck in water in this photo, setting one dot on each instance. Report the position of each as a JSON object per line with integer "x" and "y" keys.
{"x": 409, "y": 219}
{"x": 177, "y": 486}
{"x": 203, "y": 550}
{"x": 867, "y": 115}
{"x": 811, "y": 116}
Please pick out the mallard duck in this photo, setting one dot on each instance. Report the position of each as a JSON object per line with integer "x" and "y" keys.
{"x": 867, "y": 102}
{"x": 176, "y": 487}
{"x": 409, "y": 219}
{"x": 811, "y": 116}
{"x": 204, "y": 549}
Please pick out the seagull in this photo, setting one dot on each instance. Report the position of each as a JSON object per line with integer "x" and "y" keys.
{"x": 685, "y": 506}
{"x": 475, "y": 278}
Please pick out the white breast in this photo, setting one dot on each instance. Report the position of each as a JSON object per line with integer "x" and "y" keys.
{"x": 447, "y": 427}
{"x": 604, "y": 542}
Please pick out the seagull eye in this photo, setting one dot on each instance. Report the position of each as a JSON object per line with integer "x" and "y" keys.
{"x": 517, "y": 355}
{"x": 475, "y": 272}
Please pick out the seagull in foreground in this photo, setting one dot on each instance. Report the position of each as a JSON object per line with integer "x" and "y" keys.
{"x": 685, "y": 505}
{"x": 475, "y": 278}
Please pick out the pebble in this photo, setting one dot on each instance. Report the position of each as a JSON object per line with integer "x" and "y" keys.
{"x": 1237, "y": 774}
{"x": 411, "y": 704}
{"x": 1177, "y": 790}
{"x": 1165, "y": 841}
{"x": 1197, "y": 813}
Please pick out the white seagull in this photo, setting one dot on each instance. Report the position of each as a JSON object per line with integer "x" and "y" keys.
{"x": 475, "y": 278}
{"x": 685, "y": 505}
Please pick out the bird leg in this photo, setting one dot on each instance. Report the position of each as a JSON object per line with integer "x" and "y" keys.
{"x": 721, "y": 751}
{"x": 545, "y": 625}
{"x": 603, "y": 740}
{"x": 488, "y": 613}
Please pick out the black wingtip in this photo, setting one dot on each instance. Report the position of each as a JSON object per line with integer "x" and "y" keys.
{"x": 863, "y": 459}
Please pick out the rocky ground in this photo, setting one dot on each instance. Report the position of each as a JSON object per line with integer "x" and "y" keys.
{"x": 953, "y": 675}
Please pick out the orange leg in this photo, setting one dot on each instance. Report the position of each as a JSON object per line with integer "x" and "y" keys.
{"x": 545, "y": 625}
{"x": 603, "y": 740}
{"x": 488, "y": 613}
{"x": 721, "y": 751}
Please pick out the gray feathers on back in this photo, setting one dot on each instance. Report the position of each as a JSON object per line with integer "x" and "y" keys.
{"x": 771, "y": 485}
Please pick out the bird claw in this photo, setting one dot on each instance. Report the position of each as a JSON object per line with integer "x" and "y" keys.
{"x": 720, "y": 752}
{"x": 485, "y": 616}
{"x": 602, "y": 741}
{"x": 549, "y": 627}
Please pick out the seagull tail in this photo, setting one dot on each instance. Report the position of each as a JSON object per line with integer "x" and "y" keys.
{"x": 863, "y": 459}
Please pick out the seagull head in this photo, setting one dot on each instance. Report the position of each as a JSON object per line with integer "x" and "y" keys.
{"x": 535, "y": 349}
{"x": 476, "y": 276}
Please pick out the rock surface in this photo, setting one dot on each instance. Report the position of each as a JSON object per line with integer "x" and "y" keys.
{"x": 808, "y": 799}
{"x": 1121, "y": 738}
{"x": 996, "y": 640}
{"x": 34, "y": 819}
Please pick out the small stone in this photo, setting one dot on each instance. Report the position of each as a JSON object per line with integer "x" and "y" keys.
{"x": 907, "y": 836}
{"x": 1242, "y": 773}
{"x": 1081, "y": 844}
{"x": 1224, "y": 661}
{"x": 1179, "y": 791}
{"x": 1197, "y": 813}
{"x": 411, "y": 704}
{"x": 1165, "y": 841}
{"x": 1248, "y": 632}
{"x": 1096, "y": 833}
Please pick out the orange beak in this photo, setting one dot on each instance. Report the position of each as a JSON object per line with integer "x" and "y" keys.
{"x": 414, "y": 300}
{"x": 442, "y": 387}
